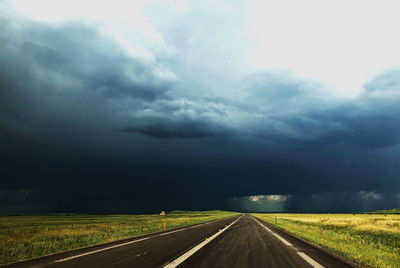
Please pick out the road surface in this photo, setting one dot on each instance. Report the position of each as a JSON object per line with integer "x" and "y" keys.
{"x": 234, "y": 242}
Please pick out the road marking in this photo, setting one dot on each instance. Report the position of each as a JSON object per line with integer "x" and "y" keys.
{"x": 189, "y": 253}
{"x": 131, "y": 242}
{"x": 284, "y": 241}
{"x": 99, "y": 250}
{"x": 309, "y": 260}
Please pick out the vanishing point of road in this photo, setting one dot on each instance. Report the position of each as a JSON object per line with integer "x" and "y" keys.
{"x": 240, "y": 241}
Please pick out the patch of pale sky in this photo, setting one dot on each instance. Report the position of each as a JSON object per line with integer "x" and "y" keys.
{"x": 273, "y": 197}
{"x": 340, "y": 43}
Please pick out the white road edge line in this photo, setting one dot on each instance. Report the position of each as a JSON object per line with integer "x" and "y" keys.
{"x": 309, "y": 260}
{"x": 284, "y": 241}
{"x": 131, "y": 242}
{"x": 189, "y": 253}
{"x": 99, "y": 250}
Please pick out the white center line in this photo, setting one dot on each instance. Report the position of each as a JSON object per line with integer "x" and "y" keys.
{"x": 189, "y": 253}
{"x": 284, "y": 241}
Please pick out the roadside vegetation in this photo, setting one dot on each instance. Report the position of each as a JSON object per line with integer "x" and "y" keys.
{"x": 366, "y": 239}
{"x": 387, "y": 211}
{"x": 23, "y": 237}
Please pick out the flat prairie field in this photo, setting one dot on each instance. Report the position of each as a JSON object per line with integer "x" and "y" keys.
{"x": 23, "y": 237}
{"x": 369, "y": 240}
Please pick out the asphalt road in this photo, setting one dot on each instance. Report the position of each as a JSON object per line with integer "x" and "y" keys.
{"x": 246, "y": 243}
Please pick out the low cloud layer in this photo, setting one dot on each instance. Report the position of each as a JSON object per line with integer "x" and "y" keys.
{"x": 340, "y": 201}
{"x": 93, "y": 122}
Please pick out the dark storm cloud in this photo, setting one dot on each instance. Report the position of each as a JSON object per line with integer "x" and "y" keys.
{"x": 85, "y": 126}
{"x": 164, "y": 128}
{"x": 342, "y": 202}
{"x": 69, "y": 77}
{"x": 79, "y": 52}
{"x": 298, "y": 114}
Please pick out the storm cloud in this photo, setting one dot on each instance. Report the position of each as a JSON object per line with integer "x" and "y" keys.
{"x": 93, "y": 122}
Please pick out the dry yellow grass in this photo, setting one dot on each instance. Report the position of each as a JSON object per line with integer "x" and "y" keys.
{"x": 370, "y": 222}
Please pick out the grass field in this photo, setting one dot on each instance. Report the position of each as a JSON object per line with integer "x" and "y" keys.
{"x": 23, "y": 237}
{"x": 366, "y": 239}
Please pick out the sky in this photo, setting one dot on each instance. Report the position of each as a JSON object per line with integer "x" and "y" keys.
{"x": 142, "y": 106}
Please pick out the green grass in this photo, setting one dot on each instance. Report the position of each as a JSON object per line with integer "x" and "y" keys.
{"x": 23, "y": 237}
{"x": 365, "y": 239}
{"x": 387, "y": 211}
